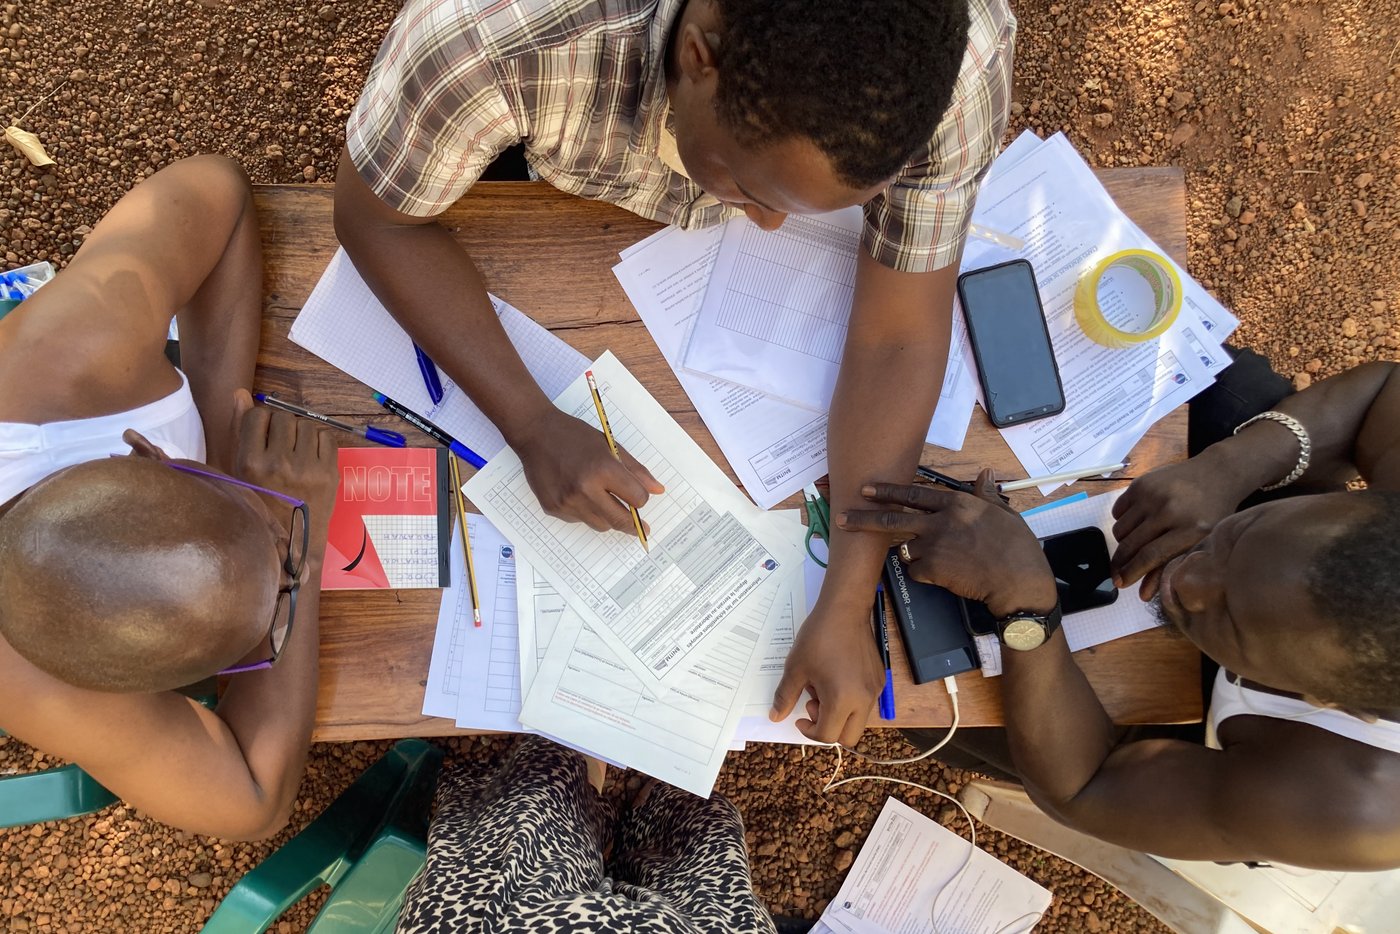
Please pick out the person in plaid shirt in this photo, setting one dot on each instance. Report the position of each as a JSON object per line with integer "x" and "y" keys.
{"x": 689, "y": 112}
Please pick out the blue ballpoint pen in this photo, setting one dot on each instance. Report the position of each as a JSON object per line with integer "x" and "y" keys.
{"x": 390, "y": 439}
{"x": 431, "y": 430}
{"x": 882, "y": 641}
{"x": 430, "y": 374}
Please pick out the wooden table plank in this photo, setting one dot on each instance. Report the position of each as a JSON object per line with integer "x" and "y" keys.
{"x": 551, "y": 255}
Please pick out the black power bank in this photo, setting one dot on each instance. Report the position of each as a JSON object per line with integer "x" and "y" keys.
{"x": 931, "y": 623}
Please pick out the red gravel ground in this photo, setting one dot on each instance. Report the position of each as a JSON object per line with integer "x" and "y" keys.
{"x": 1284, "y": 116}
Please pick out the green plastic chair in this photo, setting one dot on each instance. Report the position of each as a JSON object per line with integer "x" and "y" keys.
{"x": 53, "y": 794}
{"x": 367, "y": 846}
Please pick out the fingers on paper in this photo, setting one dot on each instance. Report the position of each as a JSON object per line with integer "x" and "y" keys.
{"x": 789, "y": 690}
{"x": 638, "y": 469}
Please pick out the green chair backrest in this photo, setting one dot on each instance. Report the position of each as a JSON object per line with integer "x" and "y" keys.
{"x": 367, "y": 846}
{"x": 66, "y": 791}
{"x": 53, "y": 794}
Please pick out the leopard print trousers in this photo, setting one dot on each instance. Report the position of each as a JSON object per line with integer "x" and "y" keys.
{"x": 522, "y": 850}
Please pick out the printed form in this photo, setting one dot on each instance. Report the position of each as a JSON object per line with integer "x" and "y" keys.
{"x": 904, "y": 866}
{"x": 473, "y": 675}
{"x": 711, "y": 549}
{"x": 577, "y": 688}
{"x": 345, "y": 325}
{"x": 775, "y": 448}
{"x": 1052, "y": 201}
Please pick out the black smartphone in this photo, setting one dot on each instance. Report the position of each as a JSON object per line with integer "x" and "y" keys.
{"x": 1079, "y": 561}
{"x": 1011, "y": 343}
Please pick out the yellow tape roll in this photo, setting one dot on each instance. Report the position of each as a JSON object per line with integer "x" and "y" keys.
{"x": 1160, "y": 276}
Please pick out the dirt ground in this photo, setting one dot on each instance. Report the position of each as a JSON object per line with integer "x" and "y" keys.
{"x": 1284, "y": 116}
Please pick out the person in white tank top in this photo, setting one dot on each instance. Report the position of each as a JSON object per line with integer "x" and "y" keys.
{"x": 1296, "y": 597}
{"x": 148, "y": 526}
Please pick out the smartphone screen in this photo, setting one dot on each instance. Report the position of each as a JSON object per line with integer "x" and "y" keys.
{"x": 1015, "y": 361}
{"x": 1079, "y": 561}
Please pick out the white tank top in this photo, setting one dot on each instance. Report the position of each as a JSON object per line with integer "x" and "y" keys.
{"x": 1233, "y": 699}
{"x": 29, "y": 453}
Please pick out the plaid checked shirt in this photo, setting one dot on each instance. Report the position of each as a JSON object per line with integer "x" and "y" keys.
{"x": 581, "y": 83}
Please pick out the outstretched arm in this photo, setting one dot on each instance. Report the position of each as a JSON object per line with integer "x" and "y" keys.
{"x": 431, "y": 287}
{"x": 891, "y": 374}
{"x": 1257, "y": 799}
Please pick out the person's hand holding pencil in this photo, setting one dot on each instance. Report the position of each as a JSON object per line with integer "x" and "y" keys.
{"x": 612, "y": 446}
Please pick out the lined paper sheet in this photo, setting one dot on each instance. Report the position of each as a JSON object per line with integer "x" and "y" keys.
{"x": 898, "y": 881}
{"x": 1125, "y": 616}
{"x": 776, "y": 313}
{"x": 540, "y": 602}
{"x": 711, "y": 549}
{"x": 345, "y": 325}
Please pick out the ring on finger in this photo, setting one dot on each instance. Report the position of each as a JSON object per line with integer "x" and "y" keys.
{"x": 904, "y": 554}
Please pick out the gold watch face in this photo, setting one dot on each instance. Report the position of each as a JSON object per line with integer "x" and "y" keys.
{"x": 1023, "y": 634}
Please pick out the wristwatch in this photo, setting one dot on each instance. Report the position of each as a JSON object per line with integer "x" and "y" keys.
{"x": 1025, "y": 630}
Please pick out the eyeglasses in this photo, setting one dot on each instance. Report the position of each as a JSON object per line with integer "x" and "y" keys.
{"x": 298, "y": 544}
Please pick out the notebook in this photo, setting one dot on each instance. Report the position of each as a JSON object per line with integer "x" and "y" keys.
{"x": 392, "y": 524}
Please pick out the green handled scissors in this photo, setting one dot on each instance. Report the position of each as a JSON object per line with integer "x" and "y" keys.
{"x": 818, "y": 518}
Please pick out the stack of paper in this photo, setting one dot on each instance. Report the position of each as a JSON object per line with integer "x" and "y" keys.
{"x": 913, "y": 876}
{"x": 754, "y": 324}
{"x": 647, "y": 659}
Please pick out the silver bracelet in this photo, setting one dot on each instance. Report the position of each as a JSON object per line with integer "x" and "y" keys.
{"x": 1304, "y": 444}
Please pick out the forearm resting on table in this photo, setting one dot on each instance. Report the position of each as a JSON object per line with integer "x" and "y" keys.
{"x": 434, "y": 290}
{"x": 891, "y": 374}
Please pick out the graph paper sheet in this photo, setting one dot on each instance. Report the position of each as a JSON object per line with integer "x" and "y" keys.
{"x": 578, "y": 690}
{"x": 1125, "y": 616}
{"x": 474, "y": 674}
{"x": 711, "y": 549}
{"x": 345, "y": 325}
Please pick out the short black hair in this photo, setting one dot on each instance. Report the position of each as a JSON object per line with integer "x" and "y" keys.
{"x": 866, "y": 81}
{"x": 1355, "y": 582}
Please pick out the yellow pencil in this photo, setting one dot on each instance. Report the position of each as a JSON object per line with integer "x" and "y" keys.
{"x": 466, "y": 538}
{"x": 612, "y": 446}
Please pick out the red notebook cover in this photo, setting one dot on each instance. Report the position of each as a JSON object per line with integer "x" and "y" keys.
{"x": 392, "y": 522}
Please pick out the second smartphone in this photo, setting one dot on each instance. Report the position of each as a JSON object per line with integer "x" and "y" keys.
{"x": 1011, "y": 343}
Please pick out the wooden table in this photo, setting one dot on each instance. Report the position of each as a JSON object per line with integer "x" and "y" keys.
{"x": 551, "y": 255}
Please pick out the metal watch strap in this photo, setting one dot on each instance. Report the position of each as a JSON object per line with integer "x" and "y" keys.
{"x": 1299, "y": 432}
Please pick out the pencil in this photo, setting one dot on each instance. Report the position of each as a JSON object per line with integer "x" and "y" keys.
{"x": 466, "y": 538}
{"x": 612, "y": 446}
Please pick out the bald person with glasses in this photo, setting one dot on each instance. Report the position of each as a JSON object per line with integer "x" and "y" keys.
{"x": 156, "y": 527}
